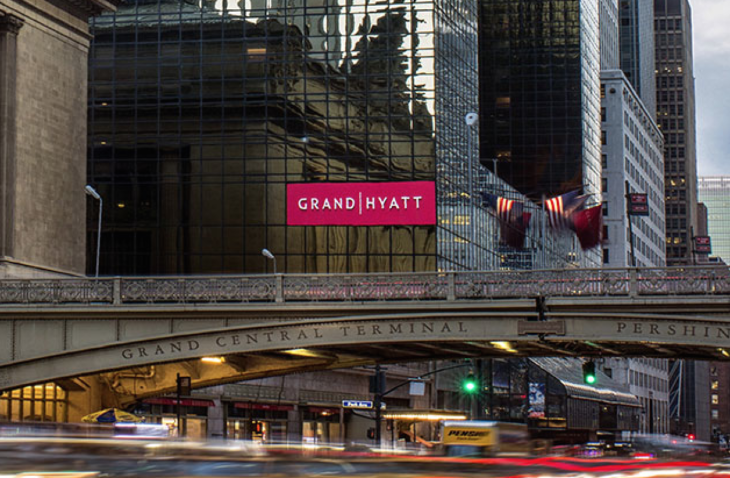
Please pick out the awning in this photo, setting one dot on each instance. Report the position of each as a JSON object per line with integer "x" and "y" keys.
{"x": 264, "y": 406}
{"x": 569, "y": 372}
{"x": 186, "y": 402}
{"x": 423, "y": 415}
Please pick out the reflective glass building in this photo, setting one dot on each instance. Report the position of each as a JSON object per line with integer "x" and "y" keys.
{"x": 714, "y": 192}
{"x": 200, "y": 114}
{"x": 637, "y": 49}
{"x": 540, "y": 94}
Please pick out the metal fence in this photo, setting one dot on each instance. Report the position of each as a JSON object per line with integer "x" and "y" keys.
{"x": 442, "y": 286}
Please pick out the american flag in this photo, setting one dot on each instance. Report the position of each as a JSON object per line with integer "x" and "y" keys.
{"x": 503, "y": 206}
{"x": 513, "y": 220}
{"x": 560, "y": 208}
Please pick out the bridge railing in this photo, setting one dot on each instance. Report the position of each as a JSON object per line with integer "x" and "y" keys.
{"x": 478, "y": 285}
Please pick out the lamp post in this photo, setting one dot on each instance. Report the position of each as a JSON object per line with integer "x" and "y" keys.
{"x": 267, "y": 254}
{"x": 92, "y": 192}
{"x": 471, "y": 119}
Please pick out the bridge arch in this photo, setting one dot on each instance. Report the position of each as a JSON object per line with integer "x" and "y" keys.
{"x": 253, "y": 351}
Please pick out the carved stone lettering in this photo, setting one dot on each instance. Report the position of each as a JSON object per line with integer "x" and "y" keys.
{"x": 305, "y": 334}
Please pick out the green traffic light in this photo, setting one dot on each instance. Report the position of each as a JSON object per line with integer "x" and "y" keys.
{"x": 589, "y": 372}
{"x": 470, "y": 384}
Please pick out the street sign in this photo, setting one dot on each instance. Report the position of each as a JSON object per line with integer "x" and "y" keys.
{"x": 418, "y": 388}
{"x": 357, "y": 404}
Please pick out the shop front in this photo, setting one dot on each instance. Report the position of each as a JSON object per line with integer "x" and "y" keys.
{"x": 193, "y": 415}
{"x": 259, "y": 422}
{"x": 322, "y": 424}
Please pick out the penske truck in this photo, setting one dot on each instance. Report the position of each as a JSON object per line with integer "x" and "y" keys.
{"x": 484, "y": 438}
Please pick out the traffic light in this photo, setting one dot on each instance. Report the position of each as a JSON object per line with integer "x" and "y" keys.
{"x": 589, "y": 372}
{"x": 470, "y": 383}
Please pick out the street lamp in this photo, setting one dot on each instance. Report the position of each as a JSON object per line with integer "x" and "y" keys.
{"x": 92, "y": 192}
{"x": 267, "y": 254}
{"x": 471, "y": 119}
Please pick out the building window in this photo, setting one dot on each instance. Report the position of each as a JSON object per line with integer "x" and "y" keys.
{"x": 715, "y": 414}
{"x": 715, "y": 399}
{"x": 715, "y": 384}
{"x": 605, "y": 256}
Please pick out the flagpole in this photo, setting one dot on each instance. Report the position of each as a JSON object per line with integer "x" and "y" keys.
{"x": 544, "y": 240}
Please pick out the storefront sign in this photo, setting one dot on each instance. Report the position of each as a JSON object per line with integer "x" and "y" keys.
{"x": 361, "y": 204}
{"x": 185, "y": 402}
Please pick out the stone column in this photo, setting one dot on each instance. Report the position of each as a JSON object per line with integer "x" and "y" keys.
{"x": 9, "y": 27}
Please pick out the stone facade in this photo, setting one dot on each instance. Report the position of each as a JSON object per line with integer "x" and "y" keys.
{"x": 43, "y": 79}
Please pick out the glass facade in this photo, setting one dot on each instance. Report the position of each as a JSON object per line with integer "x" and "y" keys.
{"x": 200, "y": 114}
{"x": 714, "y": 192}
{"x": 530, "y": 391}
{"x": 540, "y": 96}
{"x": 637, "y": 49}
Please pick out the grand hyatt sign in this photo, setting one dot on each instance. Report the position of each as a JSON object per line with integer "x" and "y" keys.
{"x": 361, "y": 204}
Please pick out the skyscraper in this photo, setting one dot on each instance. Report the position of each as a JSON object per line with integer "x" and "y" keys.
{"x": 714, "y": 192}
{"x": 202, "y": 114}
{"x": 637, "y": 49}
{"x": 540, "y": 96}
{"x": 676, "y": 117}
{"x": 633, "y": 155}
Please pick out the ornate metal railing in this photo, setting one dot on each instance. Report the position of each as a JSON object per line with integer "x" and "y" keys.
{"x": 367, "y": 287}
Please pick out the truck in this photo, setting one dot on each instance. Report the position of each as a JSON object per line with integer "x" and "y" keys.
{"x": 485, "y": 438}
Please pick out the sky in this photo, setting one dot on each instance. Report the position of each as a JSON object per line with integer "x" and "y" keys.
{"x": 711, "y": 24}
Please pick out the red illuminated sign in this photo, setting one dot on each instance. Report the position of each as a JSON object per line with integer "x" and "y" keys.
{"x": 638, "y": 204}
{"x": 361, "y": 204}
{"x": 703, "y": 244}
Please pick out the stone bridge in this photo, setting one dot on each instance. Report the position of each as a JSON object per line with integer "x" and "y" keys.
{"x": 137, "y": 334}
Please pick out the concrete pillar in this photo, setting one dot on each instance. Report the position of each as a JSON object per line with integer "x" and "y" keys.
{"x": 9, "y": 27}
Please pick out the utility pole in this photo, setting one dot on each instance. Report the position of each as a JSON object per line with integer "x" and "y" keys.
{"x": 631, "y": 229}
{"x": 379, "y": 385}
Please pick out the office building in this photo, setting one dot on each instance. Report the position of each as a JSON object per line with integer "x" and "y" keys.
{"x": 609, "y": 31}
{"x": 201, "y": 115}
{"x": 540, "y": 100}
{"x": 714, "y": 193}
{"x": 719, "y": 403}
{"x": 196, "y": 133}
{"x": 676, "y": 118}
{"x": 633, "y": 158}
{"x": 632, "y": 155}
{"x": 637, "y": 49}
{"x": 689, "y": 396}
